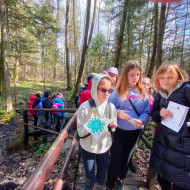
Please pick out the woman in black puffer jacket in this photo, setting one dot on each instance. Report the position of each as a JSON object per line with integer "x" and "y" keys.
{"x": 170, "y": 155}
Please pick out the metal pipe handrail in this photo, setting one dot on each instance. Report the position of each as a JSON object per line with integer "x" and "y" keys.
{"x": 60, "y": 181}
{"x": 41, "y": 173}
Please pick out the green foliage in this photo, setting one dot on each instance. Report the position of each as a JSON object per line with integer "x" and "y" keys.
{"x": 43, "y": 149}
{"x": 142, "y": 145}
{"x": 7, "y": 117}
{"x": 72, "y": 168}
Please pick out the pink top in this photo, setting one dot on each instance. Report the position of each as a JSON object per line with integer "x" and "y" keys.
{"x": 150, "y": 101}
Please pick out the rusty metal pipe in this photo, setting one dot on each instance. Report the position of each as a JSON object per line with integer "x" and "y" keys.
{"x": 39, "y": 176}
{"x": 59, "y": 184}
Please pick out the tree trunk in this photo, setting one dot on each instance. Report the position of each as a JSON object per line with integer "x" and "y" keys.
{"x": 68, "y": 66}
{"x": 155, "y": 37}
{"x": 4, "y": 55}
{"x": 55, "y": 77}
{"x": 75, "y": 39}
{"x": 84, "y": 50}
{"x": 162, "y": 25}
{"x": 149, "y": 47}
{"x": 173, "y": 48}
{"x": 92, "y": 24}
{"x": 184, "y": 32}
{"x": 121, "y": 34}
{"x": 143, "y": 34}
{"x": 128, "y": 34}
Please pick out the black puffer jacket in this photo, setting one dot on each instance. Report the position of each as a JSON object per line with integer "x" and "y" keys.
{"x": 170, "y": 155}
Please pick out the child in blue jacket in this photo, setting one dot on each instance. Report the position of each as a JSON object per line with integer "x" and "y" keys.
{"x": 60, "y": 116}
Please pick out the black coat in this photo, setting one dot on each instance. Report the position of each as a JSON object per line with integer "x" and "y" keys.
{"x": 170, "y": 155}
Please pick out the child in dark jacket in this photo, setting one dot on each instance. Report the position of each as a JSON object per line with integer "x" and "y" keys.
{"x": 47, "y": 104}
{"x": 170, "y": 156}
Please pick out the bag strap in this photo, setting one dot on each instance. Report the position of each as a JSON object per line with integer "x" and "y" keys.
{"x": 134, "y": 107}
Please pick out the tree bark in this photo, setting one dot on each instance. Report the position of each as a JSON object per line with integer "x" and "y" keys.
{"x": 92, "y": 24}
{"x": 121, "y": 34}
{"x": 162, "y": 25}
{"x": 155, "y": 37}
{"x": 84, "y": 50}
{"x": 143, "y": 35}
{"x": 68, "y": 66}
{"x": 4, "y": 55}
{"x": 55, "y": 77}
{"x": 75, "y": 39}
{"x": 184, "y": 31}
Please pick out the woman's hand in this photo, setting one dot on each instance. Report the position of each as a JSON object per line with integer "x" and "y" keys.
{"x": 138, "y": 124}
{"x": 165, "y": 113}
{"x": 122, "y": 114}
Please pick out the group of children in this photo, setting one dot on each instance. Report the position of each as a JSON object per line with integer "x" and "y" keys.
{"x": 48, "y": 120}
{"x": 129, "y": 105}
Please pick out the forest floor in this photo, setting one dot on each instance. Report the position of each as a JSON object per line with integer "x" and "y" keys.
{"x": 17, "y": 164}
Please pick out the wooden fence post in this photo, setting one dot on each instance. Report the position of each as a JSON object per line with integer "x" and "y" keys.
{"x": 25, "y": 117}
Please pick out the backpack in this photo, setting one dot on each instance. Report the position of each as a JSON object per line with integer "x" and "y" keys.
{"x": 30, "y": 106}
{"x": 40, "y": 106}
{"x": 55, "y": 106}
{"x": 58, "y": 106}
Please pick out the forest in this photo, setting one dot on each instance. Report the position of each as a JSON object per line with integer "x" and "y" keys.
{"x": 53, "y": 40}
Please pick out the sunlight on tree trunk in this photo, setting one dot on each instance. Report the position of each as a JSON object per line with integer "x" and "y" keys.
{"x": 4, "y": 55}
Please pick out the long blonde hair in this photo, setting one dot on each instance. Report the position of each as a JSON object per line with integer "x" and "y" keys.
{"x": 175, "y": 69}
{"x": 123, "y": 87}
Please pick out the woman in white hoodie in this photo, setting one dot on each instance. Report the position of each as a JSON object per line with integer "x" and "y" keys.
{"x": 96, "y": 151}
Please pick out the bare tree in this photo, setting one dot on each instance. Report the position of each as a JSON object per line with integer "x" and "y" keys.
{"x": 184, "y": 32}
{"x": 162, "y": 25}
{"x": 56, "y": 47}
{"x": 69, "y": 87}
{"x": 4, "y": 54}
{"x": 121, "y": 34}
{"x": 84, "y": 50}
{"x": 155, "y": 37}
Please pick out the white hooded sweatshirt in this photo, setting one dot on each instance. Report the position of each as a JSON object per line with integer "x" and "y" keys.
{"x": 104, "y": 142}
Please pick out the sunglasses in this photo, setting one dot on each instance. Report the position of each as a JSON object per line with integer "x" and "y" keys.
{"x": 104, "y": 90}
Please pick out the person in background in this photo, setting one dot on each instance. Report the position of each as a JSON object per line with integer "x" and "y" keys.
{"x": 113, "y": 73}
{"x": 96, "y": 151}
{"x": 47, "y": 103}
{"x": 170, "y": 155}
{"x": 60, "y": 116}
{"x": 86, "y": 95}
{"x": 53, "y": 98}
{"x": 147, "y": 85}
{"x": 131, "y": 101}
{"x": 37, "y": 100}
{"x": 77, "y": 98}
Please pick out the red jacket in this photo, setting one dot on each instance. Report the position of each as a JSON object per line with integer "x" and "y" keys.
{"x": 32, "y": 100}
{"x": 86, "y": 95}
